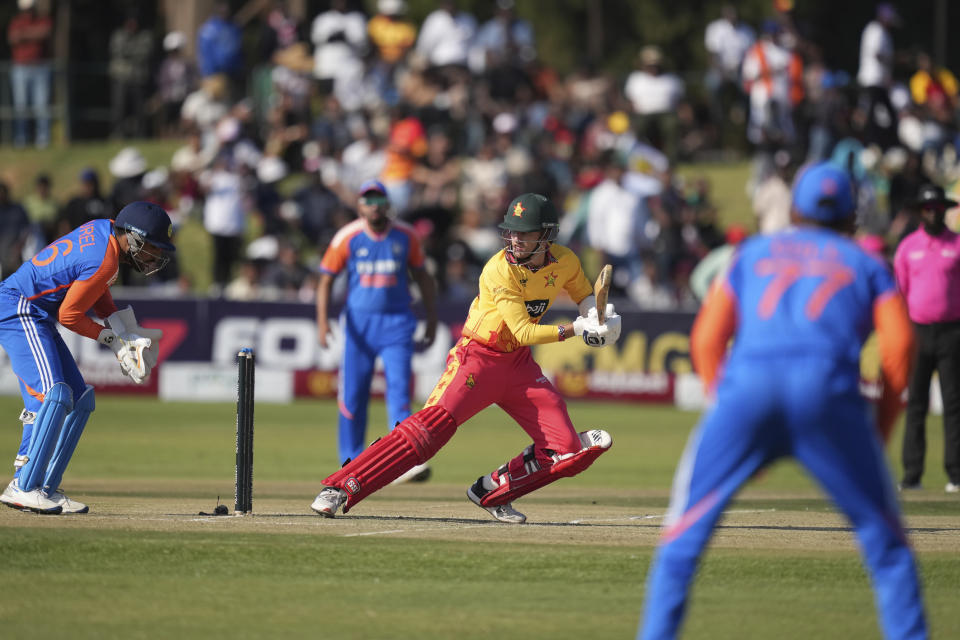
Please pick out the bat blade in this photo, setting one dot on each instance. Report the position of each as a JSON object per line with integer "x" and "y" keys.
{"x": 601, "y": 289}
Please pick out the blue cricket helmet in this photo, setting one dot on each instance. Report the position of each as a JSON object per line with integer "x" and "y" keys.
{"x": 149, "y": 221}
{"x": 824, "y": 192}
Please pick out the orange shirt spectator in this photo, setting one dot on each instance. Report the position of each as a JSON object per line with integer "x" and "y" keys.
{"x": 407, "y": 142}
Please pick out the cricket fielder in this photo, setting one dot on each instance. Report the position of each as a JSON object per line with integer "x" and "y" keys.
{"x": 59, "y": 285}
{"x": 491, "y": 363}
{"x": 799, "y": 305}
{"x": 377, "y": 254}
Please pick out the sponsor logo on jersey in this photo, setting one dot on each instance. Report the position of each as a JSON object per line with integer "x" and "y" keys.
{"x": 377, "y": 266}
{"x": 470, "y": 381}
{"x": 536, "y": 308}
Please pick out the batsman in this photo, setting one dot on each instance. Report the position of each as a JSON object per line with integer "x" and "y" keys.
{"x": 492, "y": 364}
{"x": 61, "y": 284}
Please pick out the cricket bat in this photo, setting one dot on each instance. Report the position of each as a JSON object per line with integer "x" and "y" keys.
{"x": 601, "y": 289}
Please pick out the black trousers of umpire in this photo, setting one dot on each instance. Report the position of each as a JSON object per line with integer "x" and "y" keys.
{"x": 938, "y": 348}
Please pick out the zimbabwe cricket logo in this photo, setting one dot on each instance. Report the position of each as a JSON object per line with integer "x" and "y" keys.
{"x": 551, "y": 279}
{"x": 518, "y": 210}
{"x": 470, "y": 381}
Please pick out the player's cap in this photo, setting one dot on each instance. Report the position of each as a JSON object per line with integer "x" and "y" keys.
{"x": 148, "y": 220}
{"x": 374, "y": 186}
{"x": 931, "y": 196}
{"x": 823, "y": 192}
{"x": 530, "y": 212}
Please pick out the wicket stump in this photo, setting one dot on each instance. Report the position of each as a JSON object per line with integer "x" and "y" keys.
{"x": 243, "y": 496}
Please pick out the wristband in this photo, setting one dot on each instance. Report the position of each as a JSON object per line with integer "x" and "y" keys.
{"x": 561, "y": 333}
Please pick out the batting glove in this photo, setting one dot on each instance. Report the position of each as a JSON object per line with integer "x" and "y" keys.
{"x": 589, "y": 329}
{"x": 612, "y": 325}
{"x": 133, "y": 353}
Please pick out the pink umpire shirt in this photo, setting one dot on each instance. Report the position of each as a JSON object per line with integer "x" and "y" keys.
{"x": 928, "y": 273}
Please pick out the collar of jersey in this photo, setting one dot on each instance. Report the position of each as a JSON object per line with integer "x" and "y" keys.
{"x": 550, "y": 260}
{"x": 373, "y": 234}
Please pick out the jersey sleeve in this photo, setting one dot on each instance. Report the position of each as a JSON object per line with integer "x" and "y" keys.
{"x": 577, "y": 285}
{"x": 415, "y": 257}
{"x": 712, "y": 330}
{"x": 901, "y": 271}
{"x": 93, "y": 292}
{"x": 895, "y": 340}
{"x": 336, "y": 255}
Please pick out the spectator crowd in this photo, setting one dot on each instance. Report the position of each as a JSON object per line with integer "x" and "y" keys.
{"x": 457, "y": 115}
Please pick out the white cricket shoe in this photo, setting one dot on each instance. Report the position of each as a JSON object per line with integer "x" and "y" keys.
{"x": 952, "y": 487}
{"x": 67, "y": 504}
{"x": 502, "y": 512}
{"x": 328, "y": 501}
{"x": 35, "y": 500}
{"x": 595, "y": 438}
{"x": 419, "y": 473}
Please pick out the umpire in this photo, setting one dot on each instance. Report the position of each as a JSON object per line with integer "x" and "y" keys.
{"x": 927, "y": 266}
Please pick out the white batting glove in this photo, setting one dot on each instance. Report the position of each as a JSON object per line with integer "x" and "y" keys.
{"x": 133, "y": 361}
{"x": 133, "y": 352}
{"x": 126, "y": 326}
{"x": 589, "y": 329}
{"x": 612, "y": 325}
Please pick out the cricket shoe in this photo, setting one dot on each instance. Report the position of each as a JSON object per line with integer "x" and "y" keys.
{"x": 419, "y": 473}
{"x": 502, "y": 512}
{"x": 37, "y": 501}
{"x": 328, "y": 501}
{"x": 67, "y": 504}
{"x": 909, "y": 486}
{"x": 952, "y": 487}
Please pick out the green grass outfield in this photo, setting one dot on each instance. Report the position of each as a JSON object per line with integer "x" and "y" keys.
{"x": 420, "y": 561}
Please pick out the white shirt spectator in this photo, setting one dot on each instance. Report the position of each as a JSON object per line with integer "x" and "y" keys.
{"x": 338, "y": 38}
{"x": 613, "y": 220}
{"x": 767, "y": 76}
{"x": 652, "y": 94}
{"x": 876, "y": 56}
{"x": 224, "y": 212}
{"x": 445, "y": 38}
{"x": 727, "y": 43}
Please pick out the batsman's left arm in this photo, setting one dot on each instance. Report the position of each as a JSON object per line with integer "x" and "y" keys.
{"x": 428, "y": 292}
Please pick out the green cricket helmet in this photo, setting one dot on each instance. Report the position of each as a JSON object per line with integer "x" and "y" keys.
{"x": 530, "y": 212}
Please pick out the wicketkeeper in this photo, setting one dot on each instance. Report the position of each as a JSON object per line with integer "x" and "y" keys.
{"x": 59, "y": 285}
{"x": 492, "y": 364}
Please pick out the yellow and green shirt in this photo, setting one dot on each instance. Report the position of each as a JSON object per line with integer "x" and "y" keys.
{"x": 513, "y": 299}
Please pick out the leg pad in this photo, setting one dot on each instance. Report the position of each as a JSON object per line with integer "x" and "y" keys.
{"x": 73, "y": 426}
{"x": 57, "y": 403}
{"x": 536, "y": 473}
{"x": 412, "y": 442}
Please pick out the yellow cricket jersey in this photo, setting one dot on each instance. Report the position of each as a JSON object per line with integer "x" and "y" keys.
{"x": 512, "y": 299}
